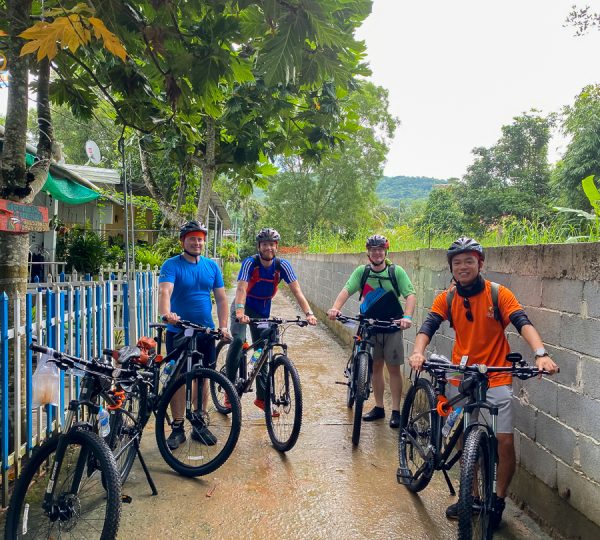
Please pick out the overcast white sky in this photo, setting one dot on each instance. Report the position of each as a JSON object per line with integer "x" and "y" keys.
{"x": 457, "y": 71}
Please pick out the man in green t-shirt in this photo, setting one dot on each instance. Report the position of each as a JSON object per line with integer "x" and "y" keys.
{"x": 388, "y": 348}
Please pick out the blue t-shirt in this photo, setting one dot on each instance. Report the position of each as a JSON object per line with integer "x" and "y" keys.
{"x": 264, "y": 288}
{"x": 192, "y": 285}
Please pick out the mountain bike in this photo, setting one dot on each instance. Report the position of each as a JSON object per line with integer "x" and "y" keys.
{"x": 359, "y": 369}
{"x": 71, "y": 486}
{"x": 208, "y": 438}
{"x": 422, "y": 449}
{"x": 283, "y": 403}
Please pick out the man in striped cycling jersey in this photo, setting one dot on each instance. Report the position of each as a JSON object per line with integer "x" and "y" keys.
{"x": 257, "y": 284}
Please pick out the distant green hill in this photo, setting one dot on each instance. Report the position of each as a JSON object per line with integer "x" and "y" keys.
{"x": 393, "y": 189}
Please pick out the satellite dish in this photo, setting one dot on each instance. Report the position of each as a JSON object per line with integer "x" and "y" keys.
{"x": 93, "y": 152}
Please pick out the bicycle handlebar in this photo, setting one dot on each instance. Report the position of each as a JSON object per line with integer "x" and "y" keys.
{"x": 278, "y": 321}
{"x": 371, "y": 323}
{"x": 65, "y": 361}
{"x": 518, "y": 369}
{"x": 182, "y": 323}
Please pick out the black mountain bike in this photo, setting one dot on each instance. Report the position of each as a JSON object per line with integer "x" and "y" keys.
{"x": 359, "y": 369}
{"x": 423, "y": 450}
{"x": 209, "y": 438}
{"x": 283, "y": 406}
{"x": 70, "y": 487}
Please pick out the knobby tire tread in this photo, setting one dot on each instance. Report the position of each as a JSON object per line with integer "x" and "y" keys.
{"x": 362, "y": 370}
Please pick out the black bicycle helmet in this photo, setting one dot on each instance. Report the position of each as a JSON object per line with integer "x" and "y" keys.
{"x": 464, "y": 244}
{"x": 377, "y": 240}
{"x": 267, "y": 235}
{"x": 192, "y": 226}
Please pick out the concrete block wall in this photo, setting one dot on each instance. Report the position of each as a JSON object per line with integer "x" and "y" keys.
{"x": 557, "y": 435}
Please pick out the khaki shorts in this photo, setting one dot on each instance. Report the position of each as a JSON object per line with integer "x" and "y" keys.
{"x": 501, "y": 397}
{"x": 389, "y": 347}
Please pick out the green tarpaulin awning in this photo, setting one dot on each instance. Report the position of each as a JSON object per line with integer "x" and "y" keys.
{"x": 66, "y": 190}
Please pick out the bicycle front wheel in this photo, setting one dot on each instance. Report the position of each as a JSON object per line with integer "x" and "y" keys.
{"x": 206, "y": 438}
{"x": 475, "y": 494}
{"x": 361, "y": 391}
{"x": 418, "y": 426}
{"x": 87, "y": 492}
{"x": 283, "y": 408}
{"x": 217, "y": 392}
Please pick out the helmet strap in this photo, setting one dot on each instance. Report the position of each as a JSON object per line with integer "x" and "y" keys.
{"x": 193, "y": 255}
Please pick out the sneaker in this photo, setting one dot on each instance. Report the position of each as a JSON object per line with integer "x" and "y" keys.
{"x": 452, "y": 510}
{"x": 260, "y": 403}
{"x": 176, "y": 438}
{"x": 374, "y": 414}
{"x": 395, "y": 420}
{"x": 496, "y": 517}
{"x": 203, "y": 435}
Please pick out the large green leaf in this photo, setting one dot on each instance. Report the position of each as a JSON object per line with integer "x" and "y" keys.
{"x": 591, "y": 191}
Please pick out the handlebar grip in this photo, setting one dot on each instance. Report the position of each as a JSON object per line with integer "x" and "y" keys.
{"x": 38, "y": 348}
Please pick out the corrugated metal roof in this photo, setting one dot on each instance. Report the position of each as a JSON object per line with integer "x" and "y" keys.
{"x": 98, "y": 175}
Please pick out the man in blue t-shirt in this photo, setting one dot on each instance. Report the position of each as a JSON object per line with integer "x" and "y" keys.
{"x": 185, "y": 284}
{"x": 257, "y": 285}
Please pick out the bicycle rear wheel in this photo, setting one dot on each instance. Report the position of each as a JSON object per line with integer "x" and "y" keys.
{"x": 283, "y": 406}
{"x": 126, "y": 423}
{"x": 208, "y": 437}
{"x": 475, "y": 494}
{"x": 217, "y": 392}
{"x": 418, "y": 426}
{"x": 361, "y": 390}
{"x": 87, "y": 492}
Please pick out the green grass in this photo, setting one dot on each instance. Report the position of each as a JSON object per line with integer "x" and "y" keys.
{"x": 509, "y": 233}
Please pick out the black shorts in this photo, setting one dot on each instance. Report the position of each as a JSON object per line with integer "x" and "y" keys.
{"x": 204, "y": 345}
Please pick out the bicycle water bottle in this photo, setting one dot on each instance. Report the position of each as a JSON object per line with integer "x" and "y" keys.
{"x": 255, "y": 356}
{"x": 166, "y": 372}
{"x": 451, "y": 421}
{"x": 103, "y": 422}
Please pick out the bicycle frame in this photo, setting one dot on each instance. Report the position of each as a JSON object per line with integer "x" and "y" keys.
{"x": 267, "y": 343}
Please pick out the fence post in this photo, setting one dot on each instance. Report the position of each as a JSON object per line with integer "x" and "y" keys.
{"x": 77, "y": 326}
{"x": 125, "y": 293}
{"x": 50, "y": 339}
{"x": 17, "y": 385}
{"x": 4, "y": 408}
{"x": 99, "y": 339}
{"x": 28, "y": 369}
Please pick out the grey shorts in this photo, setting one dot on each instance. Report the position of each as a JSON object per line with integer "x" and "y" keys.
{"x": 501, "y": 397}
{"x": 389, "y": 347}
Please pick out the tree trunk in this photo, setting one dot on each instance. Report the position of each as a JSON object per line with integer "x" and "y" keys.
{"x": 171, "y": 215}
{"x": 208, "y": 166}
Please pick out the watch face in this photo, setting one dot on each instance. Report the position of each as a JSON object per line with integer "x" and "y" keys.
{"x": 541, "y": 352}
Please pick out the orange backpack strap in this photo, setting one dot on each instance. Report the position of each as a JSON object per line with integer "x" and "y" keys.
{"x": 255, "y": 278}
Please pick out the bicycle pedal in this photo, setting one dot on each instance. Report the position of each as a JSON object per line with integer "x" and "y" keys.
{"x": 126, "y": 499}
{"x": 403, "y": 476}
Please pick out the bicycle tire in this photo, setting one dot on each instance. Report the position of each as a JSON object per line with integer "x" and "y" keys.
{"x": 284, "y": 398}
{"x": 350, "y": 390}
{"x": 216, "y": 391}
{"x": 474, "y": 519}
{"x": 126, "y": 423}
{"x": 360, "y": 394}
{"x": 98, "y": 496}
{"x": 416, "y": 426}
{"x": 186, "y": 458}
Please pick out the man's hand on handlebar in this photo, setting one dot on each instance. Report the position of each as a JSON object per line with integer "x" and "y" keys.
{"x": 170, "y": 318}
{"x": 546, "y": 363}
{"x": 416, "y": 360}
{"x": 226, "y": 335}
{"x": 333, "y": 313}
{"x": 243, "y": 318}
{"x": 403, "y": 323}
{"x": 312, "y": 320}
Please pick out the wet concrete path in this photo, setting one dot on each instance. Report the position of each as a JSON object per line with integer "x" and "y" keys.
{"x": 322, "y": 489}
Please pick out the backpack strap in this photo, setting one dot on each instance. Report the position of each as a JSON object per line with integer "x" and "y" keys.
{"x": 495, "y": 288}
{"x": 449, "y": 297}
{"x": 255, "y": 278}
{"x": 393, "y": 280}
{"x": 363, "y": 280}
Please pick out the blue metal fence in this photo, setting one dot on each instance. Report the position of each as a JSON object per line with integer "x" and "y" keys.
{"x": 78, "y": 316}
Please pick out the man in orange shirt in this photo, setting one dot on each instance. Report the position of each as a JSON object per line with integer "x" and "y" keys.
{"x": 480, "y": 336}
